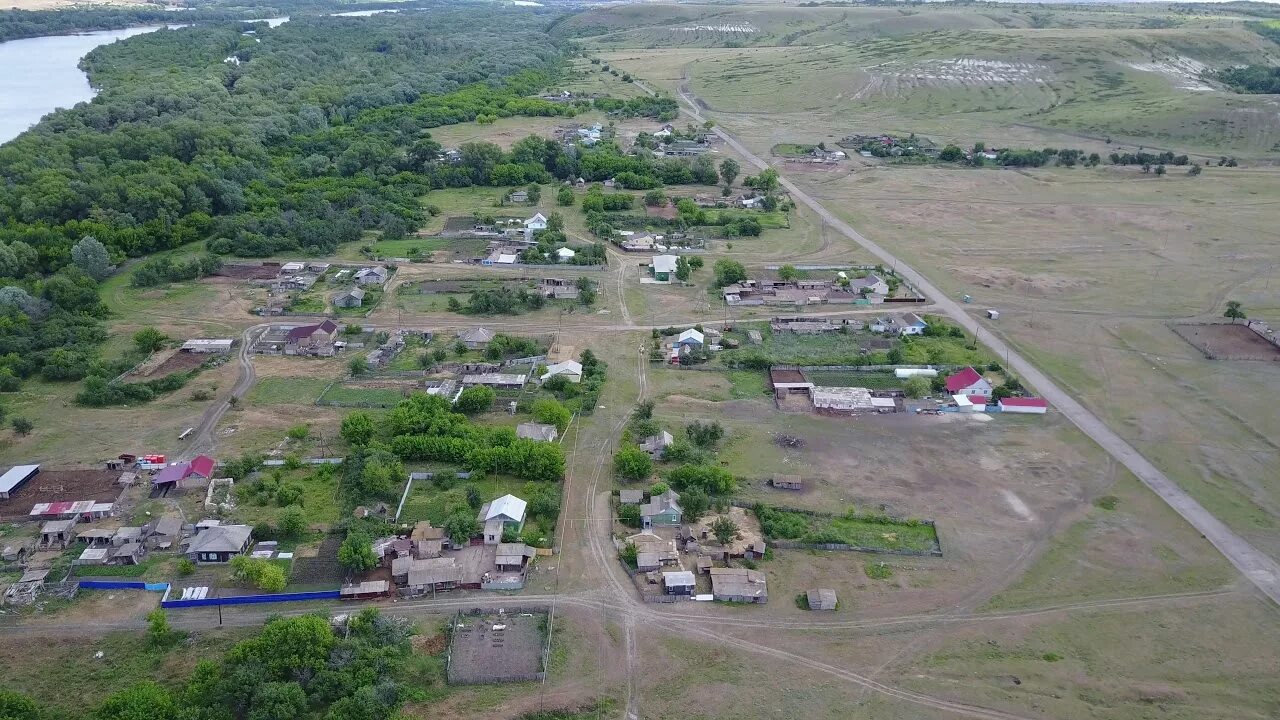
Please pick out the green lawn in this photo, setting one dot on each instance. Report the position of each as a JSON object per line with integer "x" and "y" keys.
{"x": 792, "y": 149}
{"x": 343, "y": 395}
{"x": 746, "y": 383}
{"x": 851, "y": 378}
{"x": 287, "y": 391}
{"x": 852, "y": 528}
{"x": 427, "y": 501}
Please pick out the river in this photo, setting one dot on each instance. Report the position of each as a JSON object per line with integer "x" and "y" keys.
{"x": 42, "y": 74}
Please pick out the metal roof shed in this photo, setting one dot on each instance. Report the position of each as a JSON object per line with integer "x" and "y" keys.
{"x": 14, "y": 478}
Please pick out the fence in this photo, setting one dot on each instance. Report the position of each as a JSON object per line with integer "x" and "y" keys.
{"x": 123, "y": 585}
{"x": 253, "y": 599}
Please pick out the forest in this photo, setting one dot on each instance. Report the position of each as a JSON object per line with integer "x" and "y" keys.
{"x": 283, "y": 150}
{"x": 1256, "y": 79}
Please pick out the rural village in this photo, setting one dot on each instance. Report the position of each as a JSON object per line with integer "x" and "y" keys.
{"x": 625, "y": 408}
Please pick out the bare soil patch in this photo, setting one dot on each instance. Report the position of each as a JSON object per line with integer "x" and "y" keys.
{"x": 247, "y": 272}
{"x": 175, "y": 362}
{"x": 56, "y": 485}
{"x": 1222, "y": 341}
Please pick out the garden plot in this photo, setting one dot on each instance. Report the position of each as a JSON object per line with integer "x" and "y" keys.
{"x": 496, "y": 647}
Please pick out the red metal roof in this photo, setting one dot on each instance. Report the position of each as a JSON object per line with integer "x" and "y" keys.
{"x": 979, "y": 399}
{"x": 963, "y": 379}
{"x": 202, "y": 465}
{"x": 1024, "y": 402}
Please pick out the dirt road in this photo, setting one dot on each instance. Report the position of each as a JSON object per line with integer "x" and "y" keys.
{"x": 1262, "y": 570}
{"x": 203, "y": 440}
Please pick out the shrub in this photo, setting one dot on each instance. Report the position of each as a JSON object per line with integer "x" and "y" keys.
{"x": 186, "y": 567}
{"x": 877, "y": 570}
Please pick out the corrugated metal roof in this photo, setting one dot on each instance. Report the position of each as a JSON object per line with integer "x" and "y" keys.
{"x": 16, "y": 475}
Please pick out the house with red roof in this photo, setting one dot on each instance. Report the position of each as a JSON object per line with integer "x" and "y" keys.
{"x": 201, "y": 465}
{"x": 968, "y": 382}
{"x": 312, "y": 339}
{"x": 1025, "y": 405}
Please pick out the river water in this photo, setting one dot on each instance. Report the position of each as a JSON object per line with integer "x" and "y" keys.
{"x": 41, "y": 75}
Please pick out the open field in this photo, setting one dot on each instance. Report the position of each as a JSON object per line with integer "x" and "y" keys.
{"x": 1061, "y": 87}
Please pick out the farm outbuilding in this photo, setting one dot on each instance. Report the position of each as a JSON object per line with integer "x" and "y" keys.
{"x": 680, "y": 582}
{"x": 208, "y": 345}
{"x": 739, "y": 585}
{"x": 822, "y": 599}
{"x": 1025, "y": 405}
{"x": 14, "y": 478}
{"x": 788, "y": 482}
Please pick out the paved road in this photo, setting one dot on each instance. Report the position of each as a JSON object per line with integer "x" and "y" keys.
{"x": 1259, "y": 568}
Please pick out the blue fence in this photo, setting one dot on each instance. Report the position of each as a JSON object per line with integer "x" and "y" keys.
{"x": 252, "y": 599}
{"x": 122, "y": 585}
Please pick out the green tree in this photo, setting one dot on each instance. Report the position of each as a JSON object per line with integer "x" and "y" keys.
{"x": 439, "y": 354}
{"x": 916, "y": 386}
{"x": 475, "y": 400}
{"x": 1235, "y": 311}
{"x": 461, "y": 527}
{"x": 358, "y": 428}
{"x": 358, "y": 366}
{"x": 724, "y": 529}
{"x": 535, "y": 193}
{"x": 21, "y": 425}
{"x": 729, "y": 272}
{"x": 356, "y": 552}
{"x": 951, "y": 153}
{"x": 788, "y": 273}
{"x": 158, "y": 630}
{"x": 292, "y": 523}
{"x": 632, "y": 463}
{"x": 564, "y": 197}
{"x": 91, "y": 256}
{"x": 271, "y": 577}
{"x": 278, "y": 701}
{"x": 149, "y": 339}
{"x": 555, "y": 222}
{"x": 729, "y": 169}
{"x": 767, "y": 181}
{"x": 552, "y": 412}
{"x": 655, "y": 198}
{"x": 683, "y": 271}
{"x": 144, "y": 700}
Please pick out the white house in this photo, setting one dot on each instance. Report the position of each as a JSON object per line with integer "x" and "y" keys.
{"x": 912, "y": 324}
{"x": 506, "y": 512}
{"x": 570, "y": 369}
{"x": 535, "y": 224}
{"x": 873, "y": 283}
{"x": 968, "y": 382}
{"x": 690, "y": 337}
{"x": 663, "y": 267}
{"x": 565, "y": 254}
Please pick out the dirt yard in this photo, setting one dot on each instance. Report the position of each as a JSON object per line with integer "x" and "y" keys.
{"x": 1222, "y": 341}
{"x": 175, "y": 361}
{"x": 496, "y": 648}
{"x": 248, "y": 272}
{"x": 55, "y": 485}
